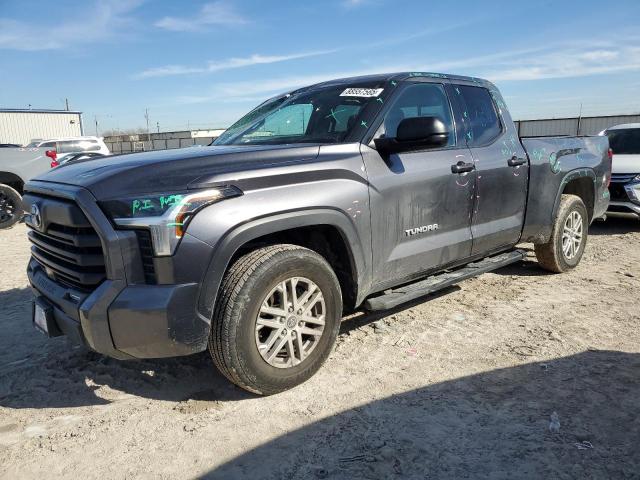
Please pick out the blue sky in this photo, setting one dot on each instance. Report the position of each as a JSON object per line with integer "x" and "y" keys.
{"x": 202, "y": 64}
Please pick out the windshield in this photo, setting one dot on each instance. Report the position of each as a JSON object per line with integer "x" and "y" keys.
{"x": 331, "y": 114}
{"x": 625, "y": 141}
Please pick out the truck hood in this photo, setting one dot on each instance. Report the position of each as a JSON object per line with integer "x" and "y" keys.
{"x": 173, "y": 170}
{"x": 625, "y": 163}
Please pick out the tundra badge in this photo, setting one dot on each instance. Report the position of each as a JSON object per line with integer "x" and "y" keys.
{"x": 424, "y": 229}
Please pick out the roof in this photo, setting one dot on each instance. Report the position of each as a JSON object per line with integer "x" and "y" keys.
{"x": 398, "y": 76}
{"x": 64, "y": 139}
{"x": 36, "y": 110}
{"x": 624, "y": 126}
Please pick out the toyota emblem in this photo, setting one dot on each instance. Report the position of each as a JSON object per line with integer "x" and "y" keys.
{"x": 36, "y": 217}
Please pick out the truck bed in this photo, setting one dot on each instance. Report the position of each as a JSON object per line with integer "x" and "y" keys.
{"x": 556, "y": 161}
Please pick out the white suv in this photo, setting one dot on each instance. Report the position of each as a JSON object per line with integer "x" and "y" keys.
{"x": 624, "y": 140}
{"x": 69, "y": 145}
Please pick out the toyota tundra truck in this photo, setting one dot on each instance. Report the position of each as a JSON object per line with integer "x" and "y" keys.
{"x": 359, "y": 193}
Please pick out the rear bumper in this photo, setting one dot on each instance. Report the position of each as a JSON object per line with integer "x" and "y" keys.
{"x": 624, "y": 207}
{"x": 625, "y": 198}
{"x": 124, "y": 317}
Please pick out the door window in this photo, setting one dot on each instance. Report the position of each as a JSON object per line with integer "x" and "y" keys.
{"x": 421, "y": 100}
{"x": 480, "y": 114}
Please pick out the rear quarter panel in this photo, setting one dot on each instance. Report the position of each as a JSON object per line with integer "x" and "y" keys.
{"x": 554, "y": 163}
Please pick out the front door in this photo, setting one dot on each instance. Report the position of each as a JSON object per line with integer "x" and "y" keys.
{"x": 421, "y": 211}
{"x": 502, "y": 170}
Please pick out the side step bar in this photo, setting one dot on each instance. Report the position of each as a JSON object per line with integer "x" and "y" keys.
{"x": 400, "y": 295}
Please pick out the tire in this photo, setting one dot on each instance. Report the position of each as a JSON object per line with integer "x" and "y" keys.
{"x": 256, "y": 278}
{"x": 552, "y": 255}
{"x": 10, "y": 207}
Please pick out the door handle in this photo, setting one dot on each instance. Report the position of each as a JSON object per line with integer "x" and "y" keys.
{"x": 462, "y": 167}
{"x": 516, "y": 162}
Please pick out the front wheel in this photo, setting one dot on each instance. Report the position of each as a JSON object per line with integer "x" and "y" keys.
{"x": 10, "y": 202}
{"x": 276, "y": 319}
{"x": 568, "y": 239}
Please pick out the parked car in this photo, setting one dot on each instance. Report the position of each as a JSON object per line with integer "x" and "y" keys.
{"x": 17, "y": 165}
{"x": 9, "y": 145}
{"x": 624, "y": 141}
{"x": 68, "y": 145}
{"x": 363, "y": 192}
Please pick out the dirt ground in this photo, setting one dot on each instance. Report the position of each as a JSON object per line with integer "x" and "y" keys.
{"x": 463, "y": 385}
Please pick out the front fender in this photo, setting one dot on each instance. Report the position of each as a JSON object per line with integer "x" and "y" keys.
{"x": 238, "y": 236}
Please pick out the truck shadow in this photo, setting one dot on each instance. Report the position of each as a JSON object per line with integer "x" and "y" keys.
{"x": 36, "y": 372}
{"x": 495, "y": 424}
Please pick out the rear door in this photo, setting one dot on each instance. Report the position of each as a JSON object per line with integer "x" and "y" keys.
{"x": 420, "y": 210}
{"x": 502, "y": 169}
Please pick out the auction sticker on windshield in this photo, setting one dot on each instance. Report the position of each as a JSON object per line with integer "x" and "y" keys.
{"x": 362, "y": 92}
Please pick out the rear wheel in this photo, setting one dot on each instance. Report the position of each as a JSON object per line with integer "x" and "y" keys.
{"x": 568, "y": 239}
{"x": 10, "y": 206}
{"x": 276, "y": 319}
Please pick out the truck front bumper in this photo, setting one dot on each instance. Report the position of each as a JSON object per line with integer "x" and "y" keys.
{"x": 134, "y": 321}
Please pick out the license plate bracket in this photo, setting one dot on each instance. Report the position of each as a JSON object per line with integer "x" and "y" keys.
{"x": 43, "y": 319}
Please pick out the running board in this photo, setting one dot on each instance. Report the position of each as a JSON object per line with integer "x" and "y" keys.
{"x": 400, "y": 295}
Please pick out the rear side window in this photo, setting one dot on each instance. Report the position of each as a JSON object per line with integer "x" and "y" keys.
{"x": 480, "y": 114}
{"x": 625, "y": 141}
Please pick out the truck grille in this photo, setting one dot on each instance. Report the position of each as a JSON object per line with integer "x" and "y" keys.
{"x": 69, "y": 253}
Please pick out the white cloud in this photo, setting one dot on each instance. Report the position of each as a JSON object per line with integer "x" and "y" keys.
{"x": 567, "y": 63}
{"x": 211, "y": 14}
{"x": 550, "y": 61}
{"x": 97, "y": 23}
{"x": 256, "y": 59}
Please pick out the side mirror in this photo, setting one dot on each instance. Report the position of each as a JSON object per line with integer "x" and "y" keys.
{"x": 415, "y": 134}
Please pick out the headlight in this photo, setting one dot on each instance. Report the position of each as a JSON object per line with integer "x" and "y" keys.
{"x": 636, "y": 179}
{"x": 165, "y": 215}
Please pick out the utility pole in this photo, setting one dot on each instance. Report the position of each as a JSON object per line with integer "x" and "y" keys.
{"x": 158, "y": 126}
{"x": 146, "y": 116}
{"x": 66, "y": 101}
{"x": 95, "y": 118}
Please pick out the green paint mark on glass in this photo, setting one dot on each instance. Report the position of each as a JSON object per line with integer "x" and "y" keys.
{"x": 393, "y": 83}
{"x": 379, "y": 100}
{"x": 333, "y": 115}
{"x": 364, "y": 124}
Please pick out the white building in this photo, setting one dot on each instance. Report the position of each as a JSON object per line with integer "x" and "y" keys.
{"x": 21, "y": 126}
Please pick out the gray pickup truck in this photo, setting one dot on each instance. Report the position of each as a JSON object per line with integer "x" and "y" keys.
{"x": 363, "y": 192}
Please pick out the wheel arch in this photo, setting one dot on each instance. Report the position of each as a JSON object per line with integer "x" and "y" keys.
{"x": 582, "y": 183}
{"x": 328, "y": 232}
{"x": 12, "y": 180}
